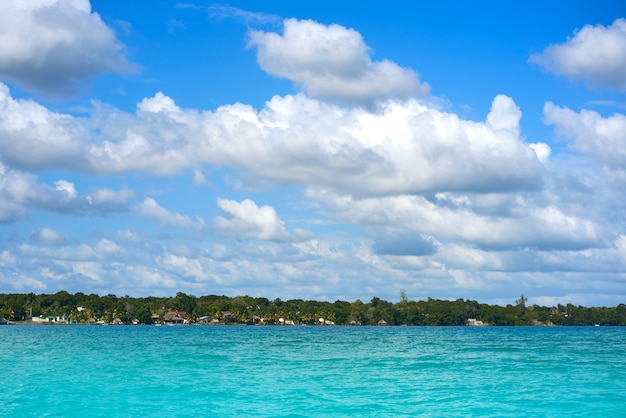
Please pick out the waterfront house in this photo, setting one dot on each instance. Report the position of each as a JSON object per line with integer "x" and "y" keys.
{"x": 174, "y": 317}
{"x": 51, "y": 319}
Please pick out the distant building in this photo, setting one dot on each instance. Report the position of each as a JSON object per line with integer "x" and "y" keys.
{"x": 51, "y": 319}
{"x": 174, "y": 317}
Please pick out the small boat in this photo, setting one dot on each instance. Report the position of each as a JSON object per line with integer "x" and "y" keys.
{"x": 4, "y": 321}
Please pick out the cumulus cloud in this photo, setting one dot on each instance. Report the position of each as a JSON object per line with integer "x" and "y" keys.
{"x": 542, "y": 150}
{"x": 33, "y": 137}
{"x": 20, "y": 190}
{"x": 160, "y": 103}
{"x": 6, "y": 258}
{"x": 66, "y": 188}
{"x": 248, "y": 219}
{"x": 54, "y": 46}
{"x": 434, "y": 193}
{"x": 405, "y": 147}
{"x": 595, "y": 54}
{"x": 48, "y": 236}
{"x": 109, "y": 200}
{"x": 527, "y": 225}
{"x": 25, "y": 282}
{"x": 109, "y": 249}
{"x": 332, "y": 62}
{"x": 183, "y": 266}
{"x": 460, "y": 256}
{"x": 150, "y": 209}
{"x": 599, "y": 137}
{"x": 504, "y": 115}
{"x": 147, "y": 278}
{"x": 65, "y": 201}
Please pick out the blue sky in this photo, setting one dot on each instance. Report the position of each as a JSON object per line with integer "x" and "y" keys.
{"x": 316, "y": 150}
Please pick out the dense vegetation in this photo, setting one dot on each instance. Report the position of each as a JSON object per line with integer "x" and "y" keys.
{"x": 82, "y": 308}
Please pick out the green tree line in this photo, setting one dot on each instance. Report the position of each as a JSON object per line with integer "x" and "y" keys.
{"x": 85, "y": 308}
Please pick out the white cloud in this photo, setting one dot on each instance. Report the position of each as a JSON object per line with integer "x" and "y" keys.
{"x": 183, "y": 266}
{"x": 332, "y": 62}
{"x": 406, "y": 147}
{"x": 48, "y": 236}
{"x": 150, "y": 209}
{"x": 466, "y": 257}
{"x": 33, "y": 137}
{"x": 599, "y": 137}
{"x": 85, "y": 271}
{"x": 249, "y": 219}
{"x": 146, "y": 278}
{"x": 55, "y": 46}
{"x": 222, "y": 11}
{"x": 65, "y": 187}
{"x": 127, "y": 236}
{"x": 319, "y": 249}
{"x": 160, "y": 103}
{"x": 199, "y": 179}
{"x": 80, "y": 252}
{"x": 25, "y": 283}
{"x": 7, "y": 258}
{"x": 333, "y": 268}
{"x": 504, "y": 115}
{"x": 447, "y": 205}
{"x": 110, "y": 200}
{"x": 525, "y": 225}
{"x": 108, "y": 249}
{"x": 595, "y": 54}
{"x": 542, "y": 150}
{"x": 19, "y": 190}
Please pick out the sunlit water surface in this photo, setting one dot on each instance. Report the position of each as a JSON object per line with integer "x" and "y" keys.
{"x": 234, "y": 371}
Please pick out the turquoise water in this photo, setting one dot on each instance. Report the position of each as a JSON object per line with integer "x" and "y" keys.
{"x": 312, "y": 371}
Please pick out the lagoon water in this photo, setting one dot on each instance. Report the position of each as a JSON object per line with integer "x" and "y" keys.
{"x": 235, "y": 371}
